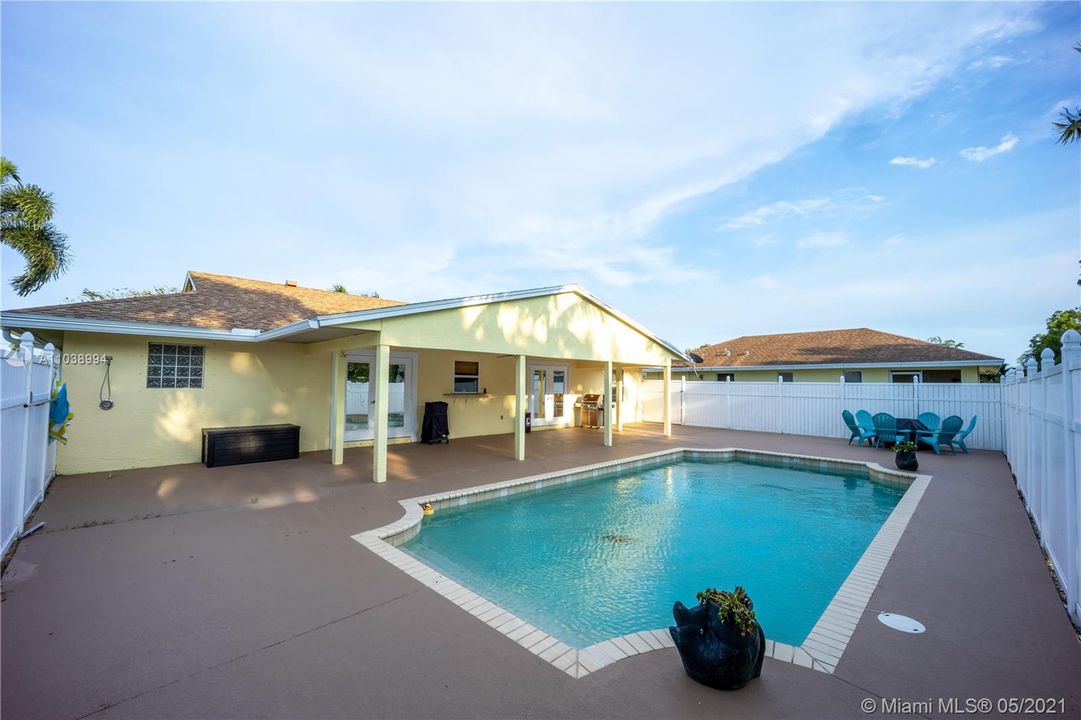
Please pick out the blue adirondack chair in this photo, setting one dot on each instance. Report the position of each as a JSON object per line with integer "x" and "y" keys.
{"x": 959, "y": 440}
{"x": 867, "y": 425}
{"x": 944, "y": 435}
{"x": 856, "y": 430}
{"x": 886, "y": 429}
{"x": 930, "y": 421}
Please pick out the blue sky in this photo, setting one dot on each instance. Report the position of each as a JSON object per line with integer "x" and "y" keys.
{"x": 712, "y": 170}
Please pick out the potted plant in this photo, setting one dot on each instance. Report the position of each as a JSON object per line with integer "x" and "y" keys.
{"x": 905, "y": 455}
{"x": 720, "y": 641}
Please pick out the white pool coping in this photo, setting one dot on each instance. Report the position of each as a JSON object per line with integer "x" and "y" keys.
{"x": 821, "y": 650}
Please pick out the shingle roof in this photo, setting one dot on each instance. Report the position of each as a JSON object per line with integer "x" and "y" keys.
{"x": 220, "y": 302}
{"x": 831, "y": 347}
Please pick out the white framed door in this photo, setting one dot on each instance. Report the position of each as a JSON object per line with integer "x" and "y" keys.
{"x": 360, "y": 398}
{"x": 548, "y": 386}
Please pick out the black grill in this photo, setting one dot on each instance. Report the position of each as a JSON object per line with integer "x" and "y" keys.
{"x": 435, "y": 427}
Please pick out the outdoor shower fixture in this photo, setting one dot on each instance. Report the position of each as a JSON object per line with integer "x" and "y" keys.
{"x": 105, "y": 399}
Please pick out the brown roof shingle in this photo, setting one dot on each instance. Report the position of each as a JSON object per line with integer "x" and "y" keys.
{"x": 830, "y": 347}
{"x": 220, "y": 302}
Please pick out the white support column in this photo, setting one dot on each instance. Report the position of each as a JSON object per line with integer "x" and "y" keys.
{"x": 619, "y": 401}
{"x": 608, "y": 419}
{"x": 379, "y": 379}
{"x": 1071, "y": 354}
{"x": 519, "y": 408}
{"x": 667, "y": 399}
{"x": 337, "y": 407}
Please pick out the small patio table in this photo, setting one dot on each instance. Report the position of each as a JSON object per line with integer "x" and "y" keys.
{"x": 912, "y": 426}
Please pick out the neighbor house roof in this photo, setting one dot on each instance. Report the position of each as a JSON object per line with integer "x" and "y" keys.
{"x": 855, "y": 346}
{"x": 221, "y": 302}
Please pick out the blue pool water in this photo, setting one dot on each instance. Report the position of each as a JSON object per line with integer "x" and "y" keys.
{"x": 592, "y": 560}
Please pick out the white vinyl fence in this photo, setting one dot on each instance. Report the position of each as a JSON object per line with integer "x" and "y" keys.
{"x": 357, "y": 403}
{"x": 1043, "y": 446}
{"x": 27, "y": 458}
{"x": 800, "y": 408}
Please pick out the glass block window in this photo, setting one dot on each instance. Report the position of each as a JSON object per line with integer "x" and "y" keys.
{"x": 174, "y": 366}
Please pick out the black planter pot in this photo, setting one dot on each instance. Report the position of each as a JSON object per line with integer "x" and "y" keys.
{"x": 713, "y": 652}
{"x": 906, "y": 460}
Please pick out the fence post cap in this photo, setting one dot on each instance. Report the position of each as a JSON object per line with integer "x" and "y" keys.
{"x": 1030, "y": 366}
{"x": 27, "y": 338}
{"x": 1071, "y": 337}
{"x": 1047, "y": 358}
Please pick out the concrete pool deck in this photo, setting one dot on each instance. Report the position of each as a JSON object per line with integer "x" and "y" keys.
{"x": 239, "y": 592}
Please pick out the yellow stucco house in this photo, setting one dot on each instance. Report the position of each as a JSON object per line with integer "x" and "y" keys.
{"x": 855, "y": 354}
{"x": 348, "y": 369}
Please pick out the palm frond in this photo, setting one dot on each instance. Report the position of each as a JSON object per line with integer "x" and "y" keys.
{"x": 46, "y": 252}
{"x": 1069, "y": 127}
{"x": 8, "y": 171}
{"x": 32, "y": 204}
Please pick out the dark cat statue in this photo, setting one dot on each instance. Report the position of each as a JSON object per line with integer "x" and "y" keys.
{"x": 713, "y": 652}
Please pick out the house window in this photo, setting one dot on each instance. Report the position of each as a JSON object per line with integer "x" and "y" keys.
{"x": 942, "y": 376}
{"x": 784, "y": 377}
{"x": 853, "y": 376}
{"x": 466, "y": 376}
{"x": 905, "y": 377}
{"x": 174, "y": 366}
{"x": 726, "y": 377}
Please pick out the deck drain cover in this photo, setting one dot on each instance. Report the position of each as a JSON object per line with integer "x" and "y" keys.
{"x": 901, "y": 622}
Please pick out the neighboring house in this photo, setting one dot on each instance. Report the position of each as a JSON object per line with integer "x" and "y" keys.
{"x": 228, "y": 351}
{"x": 857, "y": 355}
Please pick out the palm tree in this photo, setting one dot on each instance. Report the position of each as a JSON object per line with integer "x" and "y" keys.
{"x": 1069, "y": 129}
{"x": 26, "y": 213}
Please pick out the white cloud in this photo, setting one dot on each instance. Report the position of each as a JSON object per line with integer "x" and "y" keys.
{"x": 468, "y": 147}
{"x": 847, "y": 201}
{"x": 981, "y": 153}
{"x": 578, "y": 143}
{"x": 765, "y": 282}
{"x": 822, "y": 240}
{"x": 992, "y": 62}
{"x": 909, "y": 161}
{"x": 823, "y": 290}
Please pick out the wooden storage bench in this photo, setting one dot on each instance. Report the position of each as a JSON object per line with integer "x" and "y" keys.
{"x": 254, "y": 443}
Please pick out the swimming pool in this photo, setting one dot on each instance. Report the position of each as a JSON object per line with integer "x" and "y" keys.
{"x": 608, "y": 556}
{"x": 575, "y": 559}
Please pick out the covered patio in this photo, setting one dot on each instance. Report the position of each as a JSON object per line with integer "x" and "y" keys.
{"x": 492, "y": 359}
{"x": 238, "y": 592}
